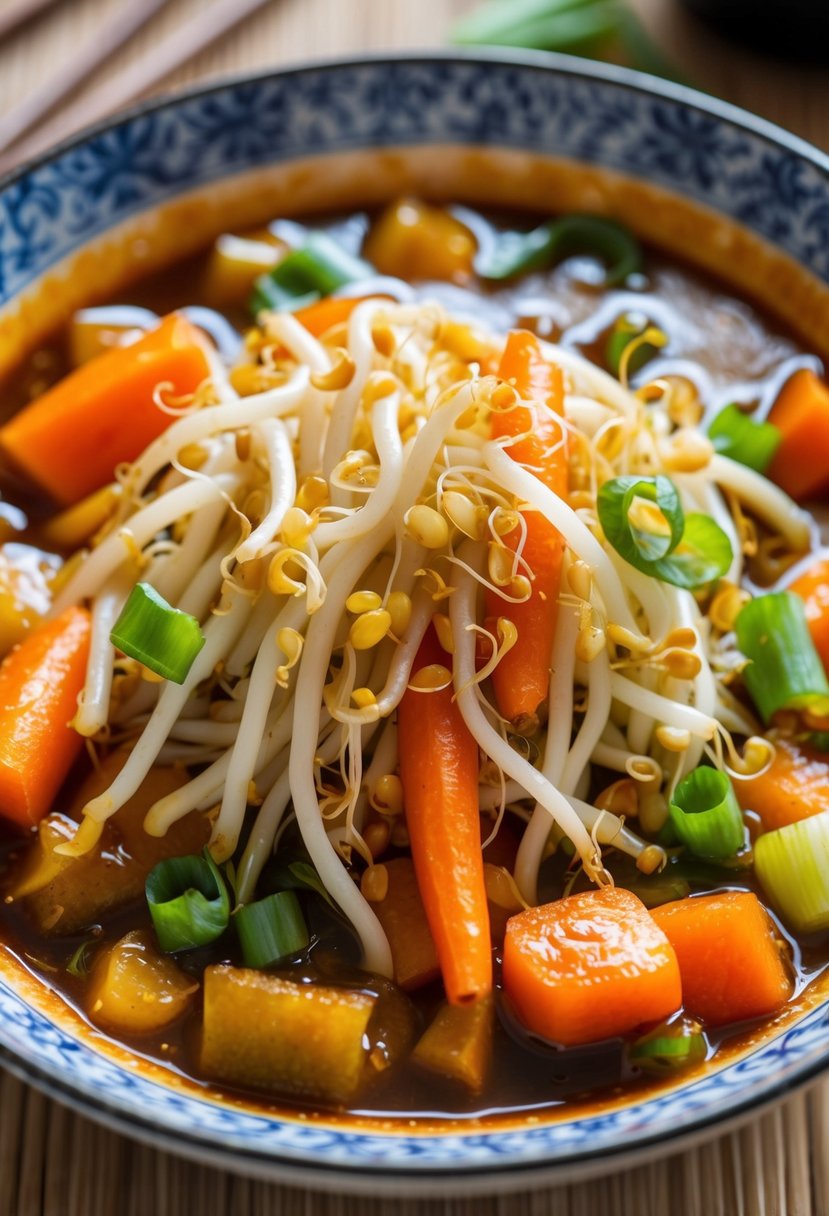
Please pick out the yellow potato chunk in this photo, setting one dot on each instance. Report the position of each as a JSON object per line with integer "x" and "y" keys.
{"x": 25, "y": 594}
{"x": 234, "y": 265}
{"x": 458, "y": 1043}
{"x": 303, "y": 1040}
{"x": 65, "y": 894}
{"x": 404, "y": 922}
{"x": 412, "y": 240}
{"x": 133, "y": 989}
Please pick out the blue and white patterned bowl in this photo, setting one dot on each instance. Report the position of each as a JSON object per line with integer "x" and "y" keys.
{"x": 540, "y": 129}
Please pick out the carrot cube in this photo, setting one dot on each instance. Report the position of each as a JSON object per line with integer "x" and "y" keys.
{"x": 795, "y": 786}
{"x": 729, "y": 959}
{"x": 589, "y": 967}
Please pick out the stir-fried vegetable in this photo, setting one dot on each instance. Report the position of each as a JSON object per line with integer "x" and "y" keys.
{"x": 305, "y": 274}
{"x": 739, "y": 436}
{"x": 458, "y": 1044}
{"x": 271, "y": 929}
{"x": 669, "y": 1048}
{"x": 812, "y": 585}
{"x": 188, "y": 901}
{"x": 801, "y": 415}
{"x": 794, "y": 786}
{"x": 516, "y": 253}
{"x": 135, "y": 990}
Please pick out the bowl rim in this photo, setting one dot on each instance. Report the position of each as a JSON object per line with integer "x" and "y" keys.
{"x": 386, "y": 1177}
{"x": 568, "y": 65}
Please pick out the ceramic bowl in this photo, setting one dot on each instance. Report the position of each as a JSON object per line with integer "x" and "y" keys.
{"x": 732, "y": 192}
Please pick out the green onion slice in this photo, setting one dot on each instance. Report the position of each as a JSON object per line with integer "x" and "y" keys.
{"x": 272, "y": 929}
{"x": 188, "y": 901}
{"x": 669, "y": 1048}
{"x": 736, "y": 434}
{"x": 514, "y": 253}
{"x": 706, "y": 815}
{"x": 161, "y": 637}
{"x": 784, "y": 669}
{"x": 632, "y": 327}
{"x": 792, "y": 864}
{"x": 573, "y": 26}
{"x": 305, "y": 275}
{"x": 78, "y": 964}
{"x": 684, "y": 550}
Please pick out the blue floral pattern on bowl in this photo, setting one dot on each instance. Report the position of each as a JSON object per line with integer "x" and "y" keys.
{"x": 770, "y": 182}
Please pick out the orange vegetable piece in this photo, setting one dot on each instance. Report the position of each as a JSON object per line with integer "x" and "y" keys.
{"x": 589, "y": 967}
{"x": 813, "y": 588}
{"x": 404, "y": 922}
{"x": 439, "y": 773}
{"x": 522, "y": 678}
{"x": 318, "y": 318}
{"x": 795, "y": 786}
{"x": 39, "y": 685}
{"x": 457, "y": 1044}
{"x": 70, "y": 440}
{"x": 729, "y": 959}
{"x": 413, "y": 240}
{"x": 801, "y": 413}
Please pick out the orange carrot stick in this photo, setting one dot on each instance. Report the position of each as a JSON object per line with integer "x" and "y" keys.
{"x": 795, "y": 786}
{"x": 729, "y": 959}
{"x": 439, "y": 772}
{"x": 39, "y": 685}
{"x": 522, "y": 678}
{"x": 813, "y": 588}
{"x": 71, "y": 439}
{"x": 801, "y": 413}
{"x": 589, "y": 966}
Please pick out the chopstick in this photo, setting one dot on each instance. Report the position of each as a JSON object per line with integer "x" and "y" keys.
{"x": 18, "y": 12}
{"x": 125, "y": 21}
{"x": 139, "y": 78}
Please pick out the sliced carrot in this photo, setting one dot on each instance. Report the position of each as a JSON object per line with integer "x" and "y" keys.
{"x": 795, "y": 786}
{"x": 729, "y": 959}
{"x": 522, "y": 678}
{"x": 439, "y": 772}
{"x": 404, "y": 922}
{"x": 70, "y": 440}
{"x": 39, "y": 685}
{"x": 589, "y": 967}
{"x": 318, "y": 318}
{"x": 813, "y": 588}
{"x": 801, "y": 414}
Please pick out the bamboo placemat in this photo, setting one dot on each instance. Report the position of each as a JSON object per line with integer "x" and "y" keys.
{"x": 57, "y": 1163}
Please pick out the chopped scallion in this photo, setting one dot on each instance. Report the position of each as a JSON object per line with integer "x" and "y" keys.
{"x": 272, "y": 929}
{"x": 316, "y": 269}
{"x": 188, "y": 901}
{"x": 736, "y": 434}
{"x": 161, "y": 637}
{"x": 514, "y": 253}
{"x": 669, "y": 1048}
{"x": 632, "y": 327}
{"x": 706, "y": 815}
{"x": 643, "y": 520}
{"x": 784, "y": 669}
{"x": 792, "y": 864}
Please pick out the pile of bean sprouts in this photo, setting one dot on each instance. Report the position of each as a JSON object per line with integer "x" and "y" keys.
{"x": 315, "y": 507}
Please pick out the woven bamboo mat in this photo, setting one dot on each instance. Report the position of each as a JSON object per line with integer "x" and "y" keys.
{"x": 56, "y": 1163}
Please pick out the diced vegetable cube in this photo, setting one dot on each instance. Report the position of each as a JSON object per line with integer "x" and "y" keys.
{"x": 412, "y": 240}
{"x": 589, "y": 966}
{"x": 458, "y": 1043}
{"x": 793, "y": 867}
{"x": 133, "y": 989}
{"x": 730, "y": 959}
{"x": 404, "y": 921}
{"x": 795, "y": 786}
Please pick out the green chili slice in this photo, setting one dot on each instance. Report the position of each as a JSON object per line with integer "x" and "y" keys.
{"x": 514, "y": 253}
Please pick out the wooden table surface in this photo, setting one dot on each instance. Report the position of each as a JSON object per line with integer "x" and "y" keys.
{"x": 53, "y": 1161}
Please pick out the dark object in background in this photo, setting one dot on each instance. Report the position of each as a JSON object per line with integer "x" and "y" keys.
{"x": 796, "y": 29}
